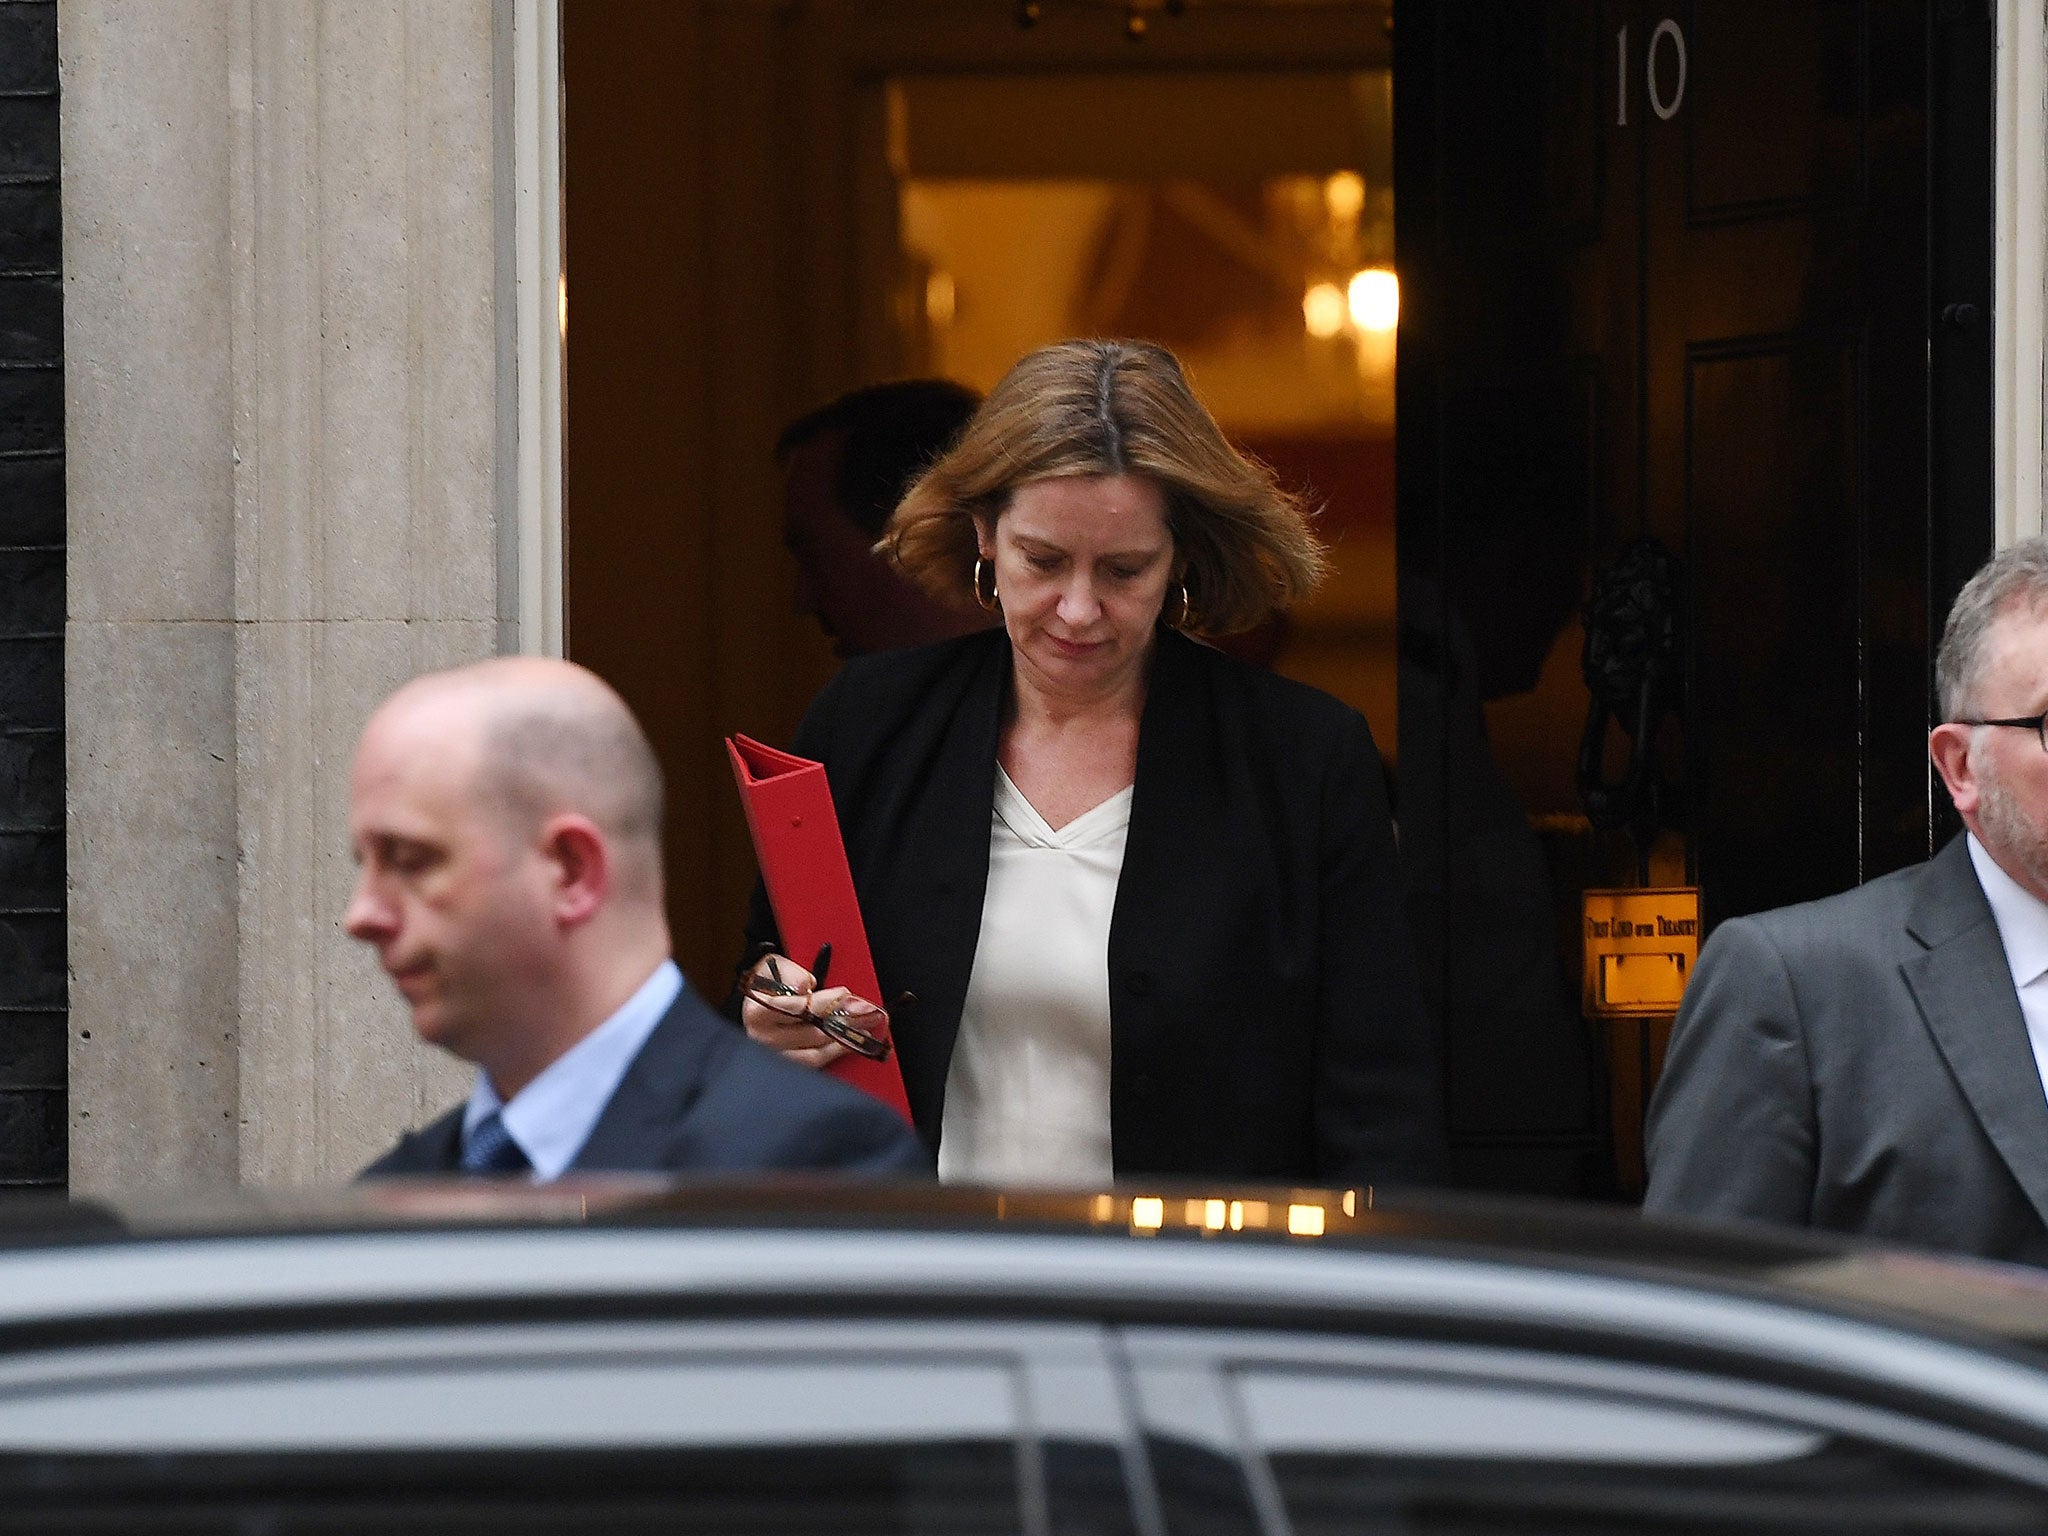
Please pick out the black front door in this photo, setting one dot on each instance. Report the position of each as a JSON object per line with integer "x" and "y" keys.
{"x": 1696, "y": 327}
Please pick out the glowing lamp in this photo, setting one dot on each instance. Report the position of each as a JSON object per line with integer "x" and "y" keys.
{"x": 1322, "y": 310}
{"x": 1374, "y": 299}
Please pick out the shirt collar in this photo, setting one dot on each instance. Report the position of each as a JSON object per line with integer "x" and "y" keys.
{"x": 2022, "y": 917}
{"x": 552, "y": 1116}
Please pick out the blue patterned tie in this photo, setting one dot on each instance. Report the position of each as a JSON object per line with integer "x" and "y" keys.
{"x": 490, "y": 1149}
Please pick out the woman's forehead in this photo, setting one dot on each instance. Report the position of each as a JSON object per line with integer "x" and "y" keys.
{"x": 1134, "y": 503}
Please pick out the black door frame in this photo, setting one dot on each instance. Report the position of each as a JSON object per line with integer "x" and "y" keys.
{"x": 1962, "y": 212}
{"x": 33, "y": 978}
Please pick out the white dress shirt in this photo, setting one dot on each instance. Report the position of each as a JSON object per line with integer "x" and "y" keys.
{"x": 1027, "y": 1094}
{"x": 2022, "y": 919}
{"x": 552, "y": 1116}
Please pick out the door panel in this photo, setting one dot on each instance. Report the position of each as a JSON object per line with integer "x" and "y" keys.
{"x": 1770, "y": 105}
{"x": 1320, "y": 1436}
{"x": 1771, "y": 511}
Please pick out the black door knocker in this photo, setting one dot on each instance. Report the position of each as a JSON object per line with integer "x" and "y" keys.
{"x": 1630, "y": 663}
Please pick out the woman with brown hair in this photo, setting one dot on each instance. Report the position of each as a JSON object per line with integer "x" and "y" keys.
{"x": 1145, "y": 896}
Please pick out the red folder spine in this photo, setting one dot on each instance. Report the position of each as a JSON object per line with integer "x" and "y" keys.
{"x": 803, "y": 863}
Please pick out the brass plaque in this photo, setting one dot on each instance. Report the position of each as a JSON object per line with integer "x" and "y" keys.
{"x": 1640, "y": 946}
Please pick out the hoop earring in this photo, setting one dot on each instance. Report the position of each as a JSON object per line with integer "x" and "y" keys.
{"x": 995, "y": 595}
{"x": 1187, "y": 612}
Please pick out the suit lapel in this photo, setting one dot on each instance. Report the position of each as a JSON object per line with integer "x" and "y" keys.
{"x": 640, "y": 1118}
{"x": 1177, "y": 792}
{"x": 1963, "y": 987}
{"x": 1179, "y": 813}
{"x": 434, "y": 1148}
{"x": 441, "y": 1142}
{"x": 932, "y": 852}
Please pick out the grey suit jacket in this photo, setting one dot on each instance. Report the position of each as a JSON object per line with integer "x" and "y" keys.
{"x": 1860, "y": 1064}
{"x": 703, "y": 1098}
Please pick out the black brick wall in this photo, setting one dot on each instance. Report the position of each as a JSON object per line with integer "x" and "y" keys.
{"x": 32, "y": 973}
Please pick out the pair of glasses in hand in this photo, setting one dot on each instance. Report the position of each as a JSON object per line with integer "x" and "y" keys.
{"x": 837, "y": 1025}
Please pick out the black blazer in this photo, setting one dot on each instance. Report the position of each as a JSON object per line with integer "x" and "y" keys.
{"x": 701, "y": 1098}
{"x": 1264, "y": 1017}
{"x": 1861, "y": 1064}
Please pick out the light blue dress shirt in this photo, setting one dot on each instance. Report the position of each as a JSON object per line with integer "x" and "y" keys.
{"x": 552, "y": 1116}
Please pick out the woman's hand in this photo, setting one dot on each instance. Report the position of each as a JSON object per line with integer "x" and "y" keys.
{"x": 781, "y": 996}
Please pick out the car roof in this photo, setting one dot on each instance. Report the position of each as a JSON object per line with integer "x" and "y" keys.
{"x": 1126, "y": 1240}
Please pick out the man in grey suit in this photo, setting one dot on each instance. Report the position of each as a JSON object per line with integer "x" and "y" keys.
{"x": 506, "y": 819}
{"x": 1874, "y": 1062}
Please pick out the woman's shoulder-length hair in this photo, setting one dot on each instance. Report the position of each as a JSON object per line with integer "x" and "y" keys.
{"x": 1108, "y": 408}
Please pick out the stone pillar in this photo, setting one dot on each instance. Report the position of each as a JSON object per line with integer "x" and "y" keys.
{"x": 283, "y": 406}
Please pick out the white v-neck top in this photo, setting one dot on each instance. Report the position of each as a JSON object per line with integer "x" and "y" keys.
{"x": 1027, "y": 1095}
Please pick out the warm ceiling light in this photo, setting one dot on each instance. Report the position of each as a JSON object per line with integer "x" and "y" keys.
{"x": 1374, "y": 299}
{"x": 1344, "y": 196}
{"x": 941, "y": 299}
{"x": 1322, "y": 310}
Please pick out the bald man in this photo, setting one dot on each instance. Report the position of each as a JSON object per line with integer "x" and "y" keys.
{"x": 506, "y": 819}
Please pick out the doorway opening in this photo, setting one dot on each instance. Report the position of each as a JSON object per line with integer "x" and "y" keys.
{"x": 769, "y": 206}
{"x": 1666, "y": 283}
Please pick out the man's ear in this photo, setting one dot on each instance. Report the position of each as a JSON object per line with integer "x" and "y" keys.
{"x": 582, "y": 867}
{"x": 1949, "y": 745}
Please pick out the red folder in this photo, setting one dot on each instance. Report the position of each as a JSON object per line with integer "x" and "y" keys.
{"x": 810, "y": 886}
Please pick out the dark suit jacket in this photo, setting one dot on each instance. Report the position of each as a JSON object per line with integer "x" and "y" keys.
{"x": 1860, "y": 1064}
{"x": 1264, "y": 1016}
{"x": 701, "y": 1098}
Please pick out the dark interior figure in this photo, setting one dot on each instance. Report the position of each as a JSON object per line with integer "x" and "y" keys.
{"x": 845, "y": 467}
{"x": 1517, "y": 1058}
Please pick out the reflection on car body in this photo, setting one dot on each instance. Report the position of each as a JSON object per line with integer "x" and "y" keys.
{"x": 801, "y": 1359}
